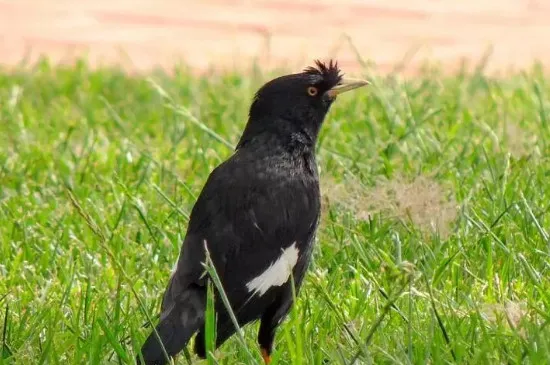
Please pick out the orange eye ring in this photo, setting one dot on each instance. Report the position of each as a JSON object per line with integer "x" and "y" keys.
{"x": 312, "y": 91}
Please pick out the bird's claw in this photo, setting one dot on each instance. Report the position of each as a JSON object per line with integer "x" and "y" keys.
{"x": 266, "y": 357}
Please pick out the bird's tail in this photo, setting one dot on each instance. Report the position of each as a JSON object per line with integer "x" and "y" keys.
{"x": 179, "y": 321}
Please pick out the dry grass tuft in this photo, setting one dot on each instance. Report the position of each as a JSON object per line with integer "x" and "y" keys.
{"x": 422, "y": 201}
{"x": 519, "y": 142}
{"x": 511, "y": 312}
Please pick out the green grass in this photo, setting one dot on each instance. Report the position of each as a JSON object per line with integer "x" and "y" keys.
{"x": 99, "y": 171}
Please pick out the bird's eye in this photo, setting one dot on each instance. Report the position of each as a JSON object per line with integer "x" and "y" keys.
{"x": 312, "y": 91}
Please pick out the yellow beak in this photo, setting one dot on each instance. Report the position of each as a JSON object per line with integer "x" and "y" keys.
{"x": 346, "y": 85}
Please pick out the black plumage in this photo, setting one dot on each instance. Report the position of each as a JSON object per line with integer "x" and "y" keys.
{"x": 257, "y": 214}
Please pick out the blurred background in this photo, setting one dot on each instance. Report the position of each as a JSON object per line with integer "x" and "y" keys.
{"x": 144, "y": 34}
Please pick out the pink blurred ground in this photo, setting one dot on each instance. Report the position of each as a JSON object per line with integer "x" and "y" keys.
{"x": 142, "y": 34}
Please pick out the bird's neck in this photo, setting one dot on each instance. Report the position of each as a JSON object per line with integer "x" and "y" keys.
{"x": 286, "y": 133}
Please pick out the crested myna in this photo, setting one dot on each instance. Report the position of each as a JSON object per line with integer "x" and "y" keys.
{"x": 257, "y": 215}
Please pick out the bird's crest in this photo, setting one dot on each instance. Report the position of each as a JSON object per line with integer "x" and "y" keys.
{"x": 330, "y": 73}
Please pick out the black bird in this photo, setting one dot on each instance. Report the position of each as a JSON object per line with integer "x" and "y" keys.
{"x": 257, "y": 215}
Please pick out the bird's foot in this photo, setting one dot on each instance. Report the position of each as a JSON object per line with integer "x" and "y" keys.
{"x": 266, "y": 357}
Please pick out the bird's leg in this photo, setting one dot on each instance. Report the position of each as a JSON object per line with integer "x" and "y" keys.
{"x": 265, "y": 339}
{"x": 271, "y": 318}
{"x": 266, "y": 334}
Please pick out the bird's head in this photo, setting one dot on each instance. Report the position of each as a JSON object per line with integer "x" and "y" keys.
{"x": 295, "y": 105}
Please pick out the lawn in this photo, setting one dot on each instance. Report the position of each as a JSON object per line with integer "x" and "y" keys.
{"x": 433, "y": 247}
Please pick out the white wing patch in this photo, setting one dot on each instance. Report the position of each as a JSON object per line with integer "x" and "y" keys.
{"x": 277, "y": 273}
